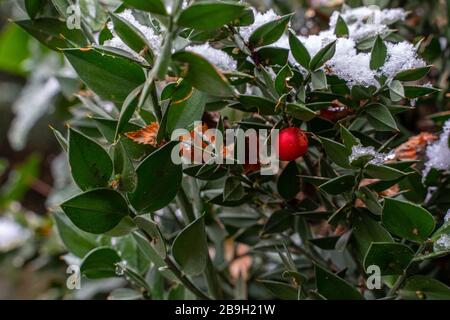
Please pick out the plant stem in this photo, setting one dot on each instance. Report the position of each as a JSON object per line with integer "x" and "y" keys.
{"x": 185, "y": 280}
{"x": 402, "y": 278}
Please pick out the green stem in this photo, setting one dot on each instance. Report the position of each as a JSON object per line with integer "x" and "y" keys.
{"x": 185, "y": 280}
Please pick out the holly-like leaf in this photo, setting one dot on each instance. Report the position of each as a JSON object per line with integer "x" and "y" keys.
{"x": 207, "y": 15}
{"x": 269, "y": 32}
{"x": 111, "y": 77}
{"x": 132, "y": 37}
{"x": 391, "y": 258}
{"x": 422, "y": 287}
{"x": 190, "y": 249}
{"x": 159, "y": 179}
{"x": 337, "y": 152}
{"x": 378, "y": 54}
{"x": 299, "y": 51}
{"x": 333, "y": 287}
{"x": 288, "y": 184}
{"x": 233, "y": 189}
{"x": 407, "y": 220}
{"x": 90, "y": 164}
{"x": 341, "y": 28}
{"x": 100, "y": 263}
{"x": 96, "y": 211}
{"x": 153, "y": 6}
{"x": 53, "y": 33}
{"x": 203, "y": 75}
{"x": 321, "y": 57}
{"x": 339, "y": 184}
{"x": 380, "y": 117}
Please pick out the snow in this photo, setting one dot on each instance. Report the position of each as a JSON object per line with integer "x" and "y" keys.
{"x": 376, "y": 158}
{"x": 215, "y": 56}
{"x": 12, "y": 234}
{"x": 442, "y": 244}
{"x": 154, "y": 40}
{"x": 260, "y": 19}
{"x": 400, "y": 56}
{"x": 438, "y": 153}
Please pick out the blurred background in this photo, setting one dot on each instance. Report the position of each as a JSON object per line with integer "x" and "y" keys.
{"x": 38, "y": 90}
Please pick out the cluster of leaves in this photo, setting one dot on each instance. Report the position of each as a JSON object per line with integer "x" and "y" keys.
{"x": 141, "y": 216}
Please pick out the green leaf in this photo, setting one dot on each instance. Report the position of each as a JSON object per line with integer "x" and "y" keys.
{"x": 299, "y": 51}
{"x": 75, "y": 240}
{"x": 258, "y": 104}
{"x": 380, "y": 114}
{"x": 53, "y": 33}
{"x": 154, "y": 235}
{"x": 334, "y": 288}
{"x": 378, "y": 54}
{"x": 281, "y": 80}
{"x": 407, "y": 220}
{"x": 96, "y": 211}
{"x": 396, "y": 91}
{"x": 203, "y": 75}
{"x": 279, "y": 221}
{"x": 413, "y": 92}
{"x": 339, "y": 184}
{"x": 153, "y": 6}
{"x": 100, "y": 263}
{"x": 348, "y": 138}
{"x": 288, "y": 184}
{"x": 111, "y": 77}
{"x": 132, "y": 37}
{"x": 337, "y": 152}
{"x": 422, "y": 287}
{"x": 124, "y": 168}
{"x": 300, "y": 111}
{"x": 184, "y": 111}
{"x": 190, "y": 249}
{"x": 158, "y": 180}
{"x": 366, "y": 231}
{"x": 269, "y": 32}
{"x": 383, "y": 172}
{"x": 33, "y": 7}
{"x": 321, "y": 57}
{"x": 233, "y": 189}
{"x": 412, "y": 74}
{"x": 207, "y": 15}
{"x": 61, "y": 139}
{"x": 391, "y": 258}
{"x": 126, "y": 112}
{"x": 281, "y": 290}
{"x": 341, "y": 28}
{"x": 318, "y": 80}
{"x": 90, "y": 164}
{"x": 125, "y": 294}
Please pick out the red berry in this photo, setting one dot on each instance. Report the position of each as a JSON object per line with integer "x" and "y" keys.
{"x": 292, "y": 144}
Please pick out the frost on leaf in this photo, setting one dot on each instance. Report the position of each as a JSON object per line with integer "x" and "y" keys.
{"x": 153, "y": 39}
{"x": 370, "y": 155}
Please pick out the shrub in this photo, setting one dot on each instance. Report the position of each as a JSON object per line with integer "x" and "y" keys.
{"x": 353, "y": 214}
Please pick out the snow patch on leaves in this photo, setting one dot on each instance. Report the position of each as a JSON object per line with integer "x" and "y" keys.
{"x": 376, "y": 158}
{"x": 215, "y": 56}
{"x": 153, "y": 39}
